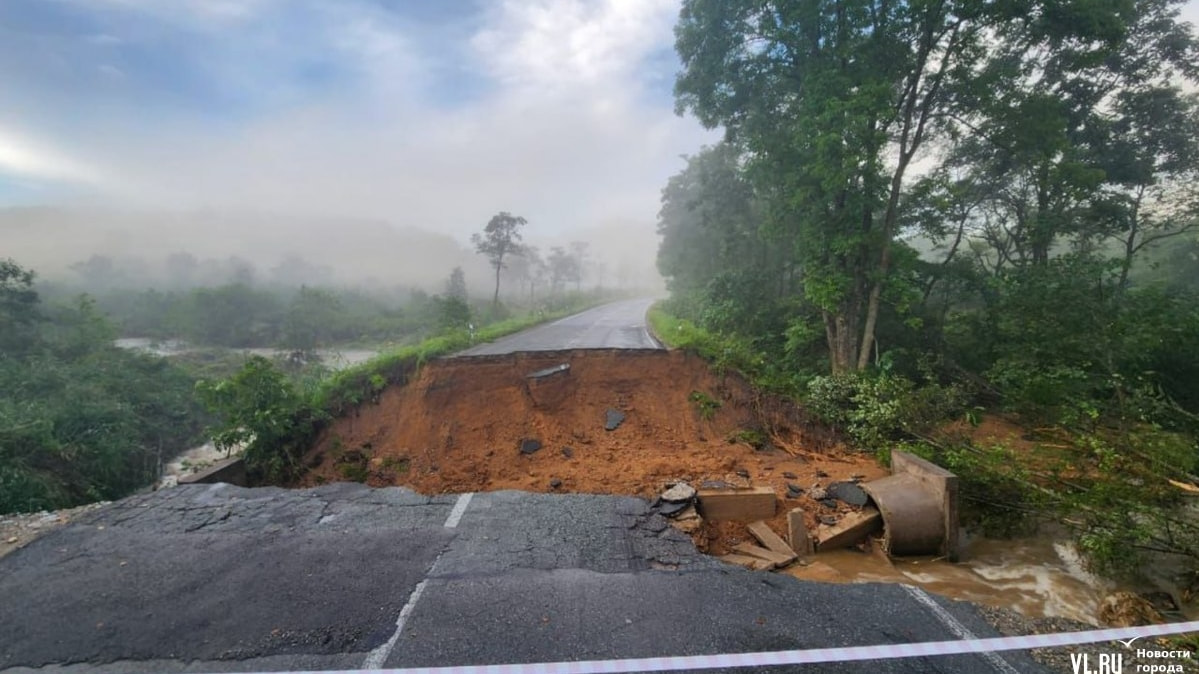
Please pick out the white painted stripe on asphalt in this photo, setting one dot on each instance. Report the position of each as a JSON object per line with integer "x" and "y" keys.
{"x": 458, "y": 511}
{"x": 811, "y": 656}
{"x": 378, "y": 657}
{"x": 957, "y": 627}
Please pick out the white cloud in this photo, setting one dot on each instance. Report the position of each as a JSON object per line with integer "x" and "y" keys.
{"x": 565, "y": 43}
{"x": 560, "y": 127}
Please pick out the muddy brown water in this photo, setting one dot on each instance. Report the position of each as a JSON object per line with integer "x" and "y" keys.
{"x": 1040, "y": 577}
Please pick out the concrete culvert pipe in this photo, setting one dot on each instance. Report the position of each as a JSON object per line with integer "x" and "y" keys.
{"x": 913, "y": 517}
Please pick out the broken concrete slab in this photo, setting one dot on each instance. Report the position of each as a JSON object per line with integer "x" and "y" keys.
{"x": 668, "y": 509}
{"x": 613, "y": 419}
{"x": 739, "y": 505}
{"x": 797, "y": 532}
{"x": 771, "y": 556}
{"x": 912, "y": 513}
{"x": 688, "y": 521}
{"x": 770, "y": 540}
{"x": 851, "y": 530}
{"x": 680, "y": 492}
{"x": 231, "y": 471}
{"x": 944, "y": 486}
{"x": 848, "y": 492}
{"x": 752, "y": 563}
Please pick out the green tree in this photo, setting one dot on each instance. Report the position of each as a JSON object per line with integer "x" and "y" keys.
{"x": 18, "y": 307}
{"x": 312, "y": 319}
{"x": 501, "y": 237}
{"x": 456, "y": 285}
{"x": 262, "y": 412}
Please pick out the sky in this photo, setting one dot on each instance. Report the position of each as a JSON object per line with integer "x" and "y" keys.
{"x": 434, "y": 114}
{"x": 420, "y": 113}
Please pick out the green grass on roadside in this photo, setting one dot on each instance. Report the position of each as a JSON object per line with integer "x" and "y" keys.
{"x": 357, "y": 384}
{"x": 722, "y": 351}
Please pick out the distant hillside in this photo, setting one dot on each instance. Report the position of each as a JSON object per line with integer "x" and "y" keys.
{"x": 51, "y": 240}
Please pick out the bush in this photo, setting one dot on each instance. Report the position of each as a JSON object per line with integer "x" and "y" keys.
{"x": 261, "y": 412}
{"x": 876, "y": 410}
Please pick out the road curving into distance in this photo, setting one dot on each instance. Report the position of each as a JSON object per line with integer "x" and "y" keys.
{"x": 619, "y": 325}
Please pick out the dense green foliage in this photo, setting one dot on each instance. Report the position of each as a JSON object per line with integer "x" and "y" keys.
{"x": 1040, "y": 262}
{"x": 80, "y": 420}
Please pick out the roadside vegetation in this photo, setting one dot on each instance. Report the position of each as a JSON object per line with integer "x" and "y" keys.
{"x": 83, "y": 420}
{"x": 1023, "y": 309}
{"x": 80, "y": 419}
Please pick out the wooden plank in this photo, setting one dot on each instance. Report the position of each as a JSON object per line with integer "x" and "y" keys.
{"x": 738, "y": 505}
{"x": 752, "y": 563}
{"x": 762, "y": 553}
{"x": 852, "y": 529}
{"x": 797, "y": 531}
{"x": 769, "y": 539}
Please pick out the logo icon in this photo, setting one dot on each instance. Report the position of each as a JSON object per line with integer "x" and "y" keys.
{"x": 1128, "y": 642}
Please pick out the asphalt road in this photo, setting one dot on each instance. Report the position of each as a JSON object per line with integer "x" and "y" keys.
{"x": 619, "y": 325}
{"x": 215, "y": 578}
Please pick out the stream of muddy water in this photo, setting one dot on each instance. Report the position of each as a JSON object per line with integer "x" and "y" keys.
{"x": 1039, "y": 577}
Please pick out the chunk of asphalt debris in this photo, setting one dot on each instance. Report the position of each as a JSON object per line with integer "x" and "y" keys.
{"x": 681, "y": 492}
{"x": 668, "y": 509}
{"x": 794, "y": 490}
{"x": 568, "y": 452}
{"x": 849, "y": 493}
{"x": 830, "y": 503}
{"x": 613, "y": 419}
{"x": 741, "y": 472}
{"x": 555, "y": 483}
{"x": 529, "y": 445}
{"x": 789, "y": 475}
{"x": 828, "y": 520}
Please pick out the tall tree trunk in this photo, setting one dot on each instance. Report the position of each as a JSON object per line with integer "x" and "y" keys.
{"x": 495, "y": 300}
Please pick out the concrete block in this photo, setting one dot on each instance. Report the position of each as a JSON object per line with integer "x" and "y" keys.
{"x": 852, "y": 529}
{"x": 797, "y": 532}
{"x": 770, "y": 540}
{"x": 944, "y": 486}
{"x": 751, "y": 550}
{"x": 739, "y": 505}
{"x": 752, "y": 563}
{"x": 231, "y": 471}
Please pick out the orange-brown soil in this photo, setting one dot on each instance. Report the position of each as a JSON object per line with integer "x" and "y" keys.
{"x": 458, "y": 425}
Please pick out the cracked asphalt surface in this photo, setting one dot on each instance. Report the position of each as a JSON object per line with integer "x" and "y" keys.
{"x": 216, "y": 578}
{"x": 619, "y": 325}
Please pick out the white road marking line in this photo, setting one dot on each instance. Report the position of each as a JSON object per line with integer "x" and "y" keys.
{"x": 376, "y": 658}
{"x": 458, "y": 511}
{"x": 956, "y": 627}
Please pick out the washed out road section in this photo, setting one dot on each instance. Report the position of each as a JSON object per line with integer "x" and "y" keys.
{"x": 619, "y": 325}
{"x": 217, "y": 578}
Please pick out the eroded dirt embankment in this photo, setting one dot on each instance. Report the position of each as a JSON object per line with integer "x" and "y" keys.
{"x": 459, "y": 426}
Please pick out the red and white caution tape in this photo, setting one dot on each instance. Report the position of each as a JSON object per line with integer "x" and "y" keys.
{"x": 801, "y": 657}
